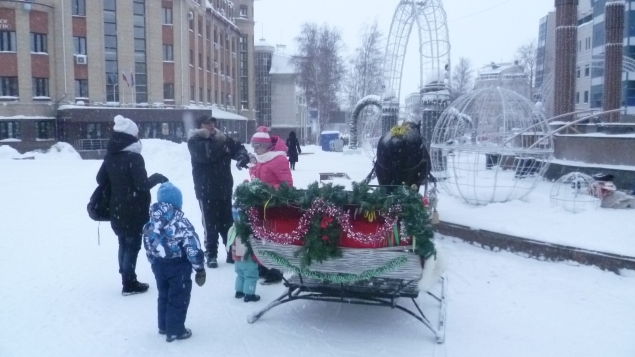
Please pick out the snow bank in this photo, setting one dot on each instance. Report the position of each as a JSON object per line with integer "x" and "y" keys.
{"x": 8, "y": 153}
{"x": 59, "y": 151}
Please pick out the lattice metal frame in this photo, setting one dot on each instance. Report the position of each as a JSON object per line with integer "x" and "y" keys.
{"x": 575, "y": 192}
{"x": 434, "y": 53}
{"x": 491, "y": 145}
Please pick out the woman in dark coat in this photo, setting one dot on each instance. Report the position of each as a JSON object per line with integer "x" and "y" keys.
{"x": 124, "y": 168}
{"x": 293, "y": 149}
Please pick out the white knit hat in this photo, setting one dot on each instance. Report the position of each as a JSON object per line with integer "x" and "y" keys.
{"x": 125, "y": 125}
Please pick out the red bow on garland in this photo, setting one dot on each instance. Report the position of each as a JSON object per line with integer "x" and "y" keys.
{"x": 326, "y": 220}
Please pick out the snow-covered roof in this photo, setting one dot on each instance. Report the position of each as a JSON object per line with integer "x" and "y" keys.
{"x": 330, "y": 132}
{"x": 495, "y": 68}
{"x": 282, "y": 64}
{"x": 20, "y": 117}
{"x": 263, "y": 45}
{"x": 221, "y": 114}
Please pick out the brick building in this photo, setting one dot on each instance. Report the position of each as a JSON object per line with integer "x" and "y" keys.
{"x": 69, "y": 66}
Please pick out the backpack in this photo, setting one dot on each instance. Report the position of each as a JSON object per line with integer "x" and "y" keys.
{"x": 99, "y": 205}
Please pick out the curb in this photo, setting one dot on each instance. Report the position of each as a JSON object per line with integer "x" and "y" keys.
{"x": 536, "y": 249}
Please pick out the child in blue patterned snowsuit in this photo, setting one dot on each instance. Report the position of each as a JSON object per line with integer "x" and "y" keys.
{"x": 245, "y": 266}
{"x": 173, "y": 249}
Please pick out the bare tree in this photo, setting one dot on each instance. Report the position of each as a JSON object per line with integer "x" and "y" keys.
{"x": 321, "y": 67}
{"x": 462, "y": 77}
{"x": 527, "y": 56}
{"x": 365, "y": 66}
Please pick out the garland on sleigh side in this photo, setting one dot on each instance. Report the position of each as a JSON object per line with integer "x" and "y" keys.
{"x": 323, "y": 221}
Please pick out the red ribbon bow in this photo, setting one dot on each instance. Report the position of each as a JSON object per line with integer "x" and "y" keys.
{"x": 326, "y": 220}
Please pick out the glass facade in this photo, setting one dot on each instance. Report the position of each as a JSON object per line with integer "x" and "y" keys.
{"x": 244, "y": 71}
{"x": 110, "y": 50}
{"x": 140, "y": 70}
{"x": 263, "y": 88}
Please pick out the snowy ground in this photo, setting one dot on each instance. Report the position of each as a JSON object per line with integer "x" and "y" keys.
{"x": 60, "y": 293}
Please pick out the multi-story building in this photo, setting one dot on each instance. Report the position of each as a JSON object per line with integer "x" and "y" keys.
{"x": 510, "y": 76}
{"x": 280, "y": 104}
{"x": 69, "y": 66}
{"x": 589, "y": 86}
{"x": 545, "y": 62}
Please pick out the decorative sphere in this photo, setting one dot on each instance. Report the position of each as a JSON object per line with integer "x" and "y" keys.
{"x": 490, "y": 145}
{"x": 575, "y": 192}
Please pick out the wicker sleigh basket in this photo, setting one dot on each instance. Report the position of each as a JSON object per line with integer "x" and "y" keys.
{"x": 354, "y": 261}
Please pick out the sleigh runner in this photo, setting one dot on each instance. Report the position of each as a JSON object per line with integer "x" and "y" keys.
{"x": 364, "y": 246}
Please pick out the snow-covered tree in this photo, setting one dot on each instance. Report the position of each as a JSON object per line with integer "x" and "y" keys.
{"x": 462, "y": 77}
{"x": 321, "y": 67}
{"x": 527, "y": 56}
{"x": 365, "y": 72}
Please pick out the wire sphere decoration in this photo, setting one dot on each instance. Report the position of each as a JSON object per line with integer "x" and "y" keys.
{"x": 491, "y": 146}
{"x": 575, "y": 192}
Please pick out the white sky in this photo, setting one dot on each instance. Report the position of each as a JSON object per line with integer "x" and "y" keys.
{"x": 481, "y": 30}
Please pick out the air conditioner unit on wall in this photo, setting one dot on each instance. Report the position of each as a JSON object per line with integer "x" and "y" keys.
{"x": 81, "y": 59}
{"x": 215, "y": 64}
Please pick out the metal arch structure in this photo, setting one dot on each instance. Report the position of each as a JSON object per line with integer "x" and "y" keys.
{"x": 434, "y": 43}
{"x": 434, "y": 53}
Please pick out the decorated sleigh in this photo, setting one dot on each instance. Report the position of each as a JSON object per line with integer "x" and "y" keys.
{"x": 365, "y": 246}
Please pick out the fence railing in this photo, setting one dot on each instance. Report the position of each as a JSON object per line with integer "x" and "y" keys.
{"x": 91, "y": 144}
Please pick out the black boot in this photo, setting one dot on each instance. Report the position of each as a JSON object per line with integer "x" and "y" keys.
{"x": 185, "y": 335}
{"x": 253, "y": 298}
{"x": 273, "y": 276}
{"x": 211, "y": 260}
{"x": 134, "y": 287}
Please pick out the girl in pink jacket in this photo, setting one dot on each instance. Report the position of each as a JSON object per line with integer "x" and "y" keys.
{"x": 272, "y": 168}
{"x": 272, "y": 165}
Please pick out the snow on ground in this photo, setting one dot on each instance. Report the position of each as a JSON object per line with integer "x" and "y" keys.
{"x": 60, "y": 292}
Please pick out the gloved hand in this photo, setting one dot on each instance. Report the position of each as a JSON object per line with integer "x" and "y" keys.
{"x": 200, "y": 277}
{"x": 156, "y": 179}
{"x": 242, "y": 161}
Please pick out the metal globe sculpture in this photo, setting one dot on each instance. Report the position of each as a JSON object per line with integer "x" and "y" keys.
{"x": 491, "y": 145}
{"x": 575, "y": 192}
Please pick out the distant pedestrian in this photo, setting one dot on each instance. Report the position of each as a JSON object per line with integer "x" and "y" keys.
{"x": 173, "y": 249}
{"x": 293, "y": 149}
{"x": 125, "y": 170}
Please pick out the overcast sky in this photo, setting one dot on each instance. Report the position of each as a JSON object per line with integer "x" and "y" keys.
{"x": 481, "y": 30}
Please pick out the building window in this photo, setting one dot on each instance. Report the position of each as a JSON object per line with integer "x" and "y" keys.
{"x": 577, "y": 97}
{"x": 200, "y": 94}
{"x": 79, "y": 7}
{"x": 168, "y": 53}
{"x": 209, "y": 63}
{"x": 168, "y": 91}
{"x": 38, "y": 43}
{"x": 208, "y": 31}
{"x": 580, "y": 46}
{"x": 586, "y": 96}
{"x": 244, "y": 64}
{"x": 587, "y": 70}
{"x": 200, "y": 26}
{"x": 93, "y": 131}
{"x": 40, "y": 87}
{"x": 192, "y": 94}
{"x": 80, "y": 45}
{"x": 209, "y": 95}
{"x": 577, "y": 72}
{"x": 7, "y": 41}
{"x": 9, "y": 130}
{"x": 81, "y": 88}
{"x": 191, "y": 23}
{"x": 243, "y": 11}
{"x": 200, "y": 61}
{"x": 45, "y": 129}
{"x": 9, "y": 86}
{"x": 192, "y": 58}
{"x": 167, "y": 16}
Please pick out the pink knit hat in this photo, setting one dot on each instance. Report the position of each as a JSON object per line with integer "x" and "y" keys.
{"x": 261, "y": 136}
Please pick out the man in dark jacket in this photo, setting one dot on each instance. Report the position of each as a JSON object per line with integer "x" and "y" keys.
{"x": 124, "y": 168}
{"x": 211, "y": 153}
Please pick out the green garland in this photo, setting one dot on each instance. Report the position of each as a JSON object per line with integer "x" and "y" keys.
{"x": 413, "y": 214}
{"x": 336, "y": 278}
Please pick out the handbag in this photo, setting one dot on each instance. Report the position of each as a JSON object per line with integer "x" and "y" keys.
{"x": 99, "y": 205}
